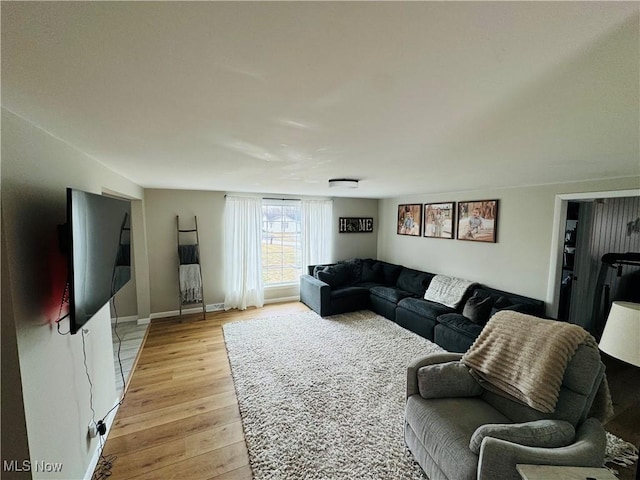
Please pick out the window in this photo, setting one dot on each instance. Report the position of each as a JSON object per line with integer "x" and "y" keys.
{"x": 281, "y": 244}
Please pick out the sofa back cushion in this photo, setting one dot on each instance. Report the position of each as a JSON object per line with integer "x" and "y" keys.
{"x": 413, "y": 281}
{"x": 580, "y": 384}
{"x": 354, "y": 267}
{"x": 510, "y": 301}
{"x": 335, "y": 276}
{"x": 390, "y": 272}
{"x": 372, "y": 271}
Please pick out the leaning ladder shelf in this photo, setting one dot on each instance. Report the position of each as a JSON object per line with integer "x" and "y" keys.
{"x": 191, "y": 291}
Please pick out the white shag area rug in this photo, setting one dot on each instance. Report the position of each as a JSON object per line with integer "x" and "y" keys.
{"x": 323, "y": 398}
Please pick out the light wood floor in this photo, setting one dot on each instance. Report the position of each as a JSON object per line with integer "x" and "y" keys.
{"x": 180, "y": 415}
{"x": 131, "y": 338}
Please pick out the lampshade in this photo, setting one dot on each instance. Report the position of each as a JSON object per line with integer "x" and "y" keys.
{"x": 343, "y": 182}
{"x": 621, "y": 336}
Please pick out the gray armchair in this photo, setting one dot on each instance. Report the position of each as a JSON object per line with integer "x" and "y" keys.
{"x": 448, "y": 412}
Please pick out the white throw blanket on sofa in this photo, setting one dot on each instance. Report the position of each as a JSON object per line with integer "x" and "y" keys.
{"x": 447, "y": 291}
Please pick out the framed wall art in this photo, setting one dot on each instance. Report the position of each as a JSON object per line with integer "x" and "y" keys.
{"x": 355, "y": 224}
{"x": 438, "y": 220}
{"x": 478, "y": 220}
{"x": 410, "y": 219}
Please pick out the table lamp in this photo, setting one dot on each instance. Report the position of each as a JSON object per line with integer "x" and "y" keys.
{"x": 621, "y": 336}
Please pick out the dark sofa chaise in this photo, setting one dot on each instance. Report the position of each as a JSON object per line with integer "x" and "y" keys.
{"x": 396, "y": 292}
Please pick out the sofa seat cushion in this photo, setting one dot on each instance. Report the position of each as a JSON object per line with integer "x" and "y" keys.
{"x": 461, "y": 324}
{"x": 447, "y": 424}
{"x": 391, "y": 294}
{"x": 425, "y": 308}
{"x": 350, "y": 291}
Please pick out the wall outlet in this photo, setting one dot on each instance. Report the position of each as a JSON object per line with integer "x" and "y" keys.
{"x": 215, "y": 307}
{"x": 93, "y": 430}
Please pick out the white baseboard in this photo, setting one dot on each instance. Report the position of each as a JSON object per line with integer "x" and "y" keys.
{"x": 173, "y": 313}
{"x": 144, "y": 321}
{"x": 96, "y": 454}
{"x": 211, "y": 307}
{"x": 295, "y": 298}
{"x": 130, "y": 318}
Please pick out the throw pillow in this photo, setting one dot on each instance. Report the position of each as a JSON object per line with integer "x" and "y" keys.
{"x": 478, "y": 309}
{"x": 540, "y": 433}
{"x": 317, "y": 269}
{"x": 335, "y": 276}
{"x": 445, "y": 380}
{"x": 372, "y": 272}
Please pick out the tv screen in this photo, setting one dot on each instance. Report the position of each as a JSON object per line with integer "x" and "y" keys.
{"x": 99, "y": 252}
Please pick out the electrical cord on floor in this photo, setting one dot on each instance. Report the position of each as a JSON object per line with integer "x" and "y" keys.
{"x": 104, "y": 466}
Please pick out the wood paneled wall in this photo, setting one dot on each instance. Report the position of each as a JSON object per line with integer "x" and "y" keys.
{"x": 603, "y": 228}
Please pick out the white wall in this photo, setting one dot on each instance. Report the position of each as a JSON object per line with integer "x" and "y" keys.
{"x": 350, "y": 245}
{"x": 36, "y": 170}
{"x": 161, "y": 208}
{"x": 519, "y": 262}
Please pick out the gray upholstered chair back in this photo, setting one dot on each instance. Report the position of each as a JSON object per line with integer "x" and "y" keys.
{"x": 579, "y": 386}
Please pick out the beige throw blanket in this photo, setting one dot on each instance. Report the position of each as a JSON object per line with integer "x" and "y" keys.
{"x": 529, "y": 367}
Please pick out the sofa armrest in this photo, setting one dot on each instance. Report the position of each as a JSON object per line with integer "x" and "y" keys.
{"x": 315, "y": 294}
{"x": 431, "y": 359}
{"x": 498, "y": 458}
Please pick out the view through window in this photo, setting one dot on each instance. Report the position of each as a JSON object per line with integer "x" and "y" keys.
{"x": 281, "y": 243}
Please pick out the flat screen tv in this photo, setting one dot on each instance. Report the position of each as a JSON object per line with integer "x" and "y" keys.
{"x": 98, "y": 252}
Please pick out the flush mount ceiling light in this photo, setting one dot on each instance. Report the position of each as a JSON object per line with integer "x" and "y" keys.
{"x": 343, "y": 183}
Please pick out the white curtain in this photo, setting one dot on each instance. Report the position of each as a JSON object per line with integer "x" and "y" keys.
{"x": 316, "y": 223}
{"x": 243, "y": 283}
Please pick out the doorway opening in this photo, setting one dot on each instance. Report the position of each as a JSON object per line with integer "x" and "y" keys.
{"x": 587, "y": 227}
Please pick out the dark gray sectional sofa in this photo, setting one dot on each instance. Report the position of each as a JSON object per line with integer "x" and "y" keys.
{"x": 397, "y": 292}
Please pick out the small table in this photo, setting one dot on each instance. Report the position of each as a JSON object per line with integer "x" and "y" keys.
{"x": 549, "y": 472}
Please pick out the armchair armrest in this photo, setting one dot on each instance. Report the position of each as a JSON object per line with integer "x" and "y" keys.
{"x": 315, "y": 294}
{"x": 431, "y": 359}
{"x": 498, "y": 458}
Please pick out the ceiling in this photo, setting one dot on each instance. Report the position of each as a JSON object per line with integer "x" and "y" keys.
{"x": 278, "y": 97}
